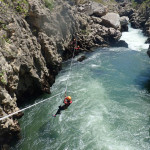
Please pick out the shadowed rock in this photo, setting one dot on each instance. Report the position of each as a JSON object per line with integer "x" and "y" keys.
{"x": 120, "y": 43}
{"x": 81, "y": 58}
{"x": 124, "y": 21}
{"x": 148, "y": 52}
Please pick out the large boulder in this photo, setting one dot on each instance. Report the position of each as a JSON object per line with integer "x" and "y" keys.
{"x": 93, "y": 8}
{"x": 99, "y": 10}
{"x": 111, "y": 20}
{"x": 120, "y": 43}
{"x": 124, "y": 21}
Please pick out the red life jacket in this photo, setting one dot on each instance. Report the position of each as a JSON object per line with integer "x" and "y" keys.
{"x": 67, "y": 102}
{"x": 78, "y": 47}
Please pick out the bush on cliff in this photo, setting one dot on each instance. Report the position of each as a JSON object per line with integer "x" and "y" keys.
{"x": 142, "y": 4}
{"x": 49, "y": 4}
{"x": 19, "y": 6}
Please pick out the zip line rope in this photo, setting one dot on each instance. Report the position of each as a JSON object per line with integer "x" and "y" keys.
{"x": 70, "y": 67}
{"x": 21, "y": 110}
{"x": 29, "y": 107}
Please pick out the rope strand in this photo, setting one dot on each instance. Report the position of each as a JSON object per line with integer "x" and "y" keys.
{"x": 28, "y": 107}
{"x": 70, "y": 69}
{"x": 21, "y": 110}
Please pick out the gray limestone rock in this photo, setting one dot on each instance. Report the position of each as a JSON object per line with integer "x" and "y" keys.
{"x": 111, "y": 20}
{"x": 124, "y": 21}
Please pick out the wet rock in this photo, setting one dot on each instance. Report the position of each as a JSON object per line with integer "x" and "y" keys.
{"x": 120, "y": 43}
{"x": 124, "y": 21}
{"x": 81, "y": 58}
{"x": 125, "y": 9}
{"x": 148, "y": 51}
{"x": 140, "y": 19}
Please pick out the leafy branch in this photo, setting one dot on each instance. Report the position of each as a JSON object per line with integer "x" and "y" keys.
{"x": 2, "y": 80}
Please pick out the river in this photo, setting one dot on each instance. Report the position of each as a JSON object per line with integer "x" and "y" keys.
{"x": 111, "y": 103}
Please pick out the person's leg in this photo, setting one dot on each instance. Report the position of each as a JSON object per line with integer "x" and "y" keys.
{"x": 64, "y": 107}
{"x": 58, "y": 111}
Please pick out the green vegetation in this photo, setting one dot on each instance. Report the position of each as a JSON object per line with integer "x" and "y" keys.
{"x": 4, "y": 36}
{"x": 6, "y": 39}
{"x": 140, "y": 4}
{"x": 134, "y": 4}
{"x": 15, "y": 7}
{"x": 20, "y": 6}
{"x": 85, "y": 32}
{"x": 2, "y": 80}
{"x": 49, "y": 4}
{"x": 98, "y": 1}
{"x": 3, "y": 25}
{"x": 105, "y": 2}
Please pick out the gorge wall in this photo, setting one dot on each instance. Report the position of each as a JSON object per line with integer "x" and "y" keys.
{"x": 34, "y": 42}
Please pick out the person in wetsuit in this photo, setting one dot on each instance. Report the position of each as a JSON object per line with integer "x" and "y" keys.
{"x": 67, "y": 102}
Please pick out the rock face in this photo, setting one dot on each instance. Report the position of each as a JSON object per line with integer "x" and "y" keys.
{"x": 125, "y": 9}
{"x": 35, "y": 40}
{"x": 111, "y": 20}
{"x": 29, "y": 57}
{"x": 124, "y": 21}
{"x": 98, "y": 9}
{"x": 148, "y": 52}
{"x": 93, "y": 8}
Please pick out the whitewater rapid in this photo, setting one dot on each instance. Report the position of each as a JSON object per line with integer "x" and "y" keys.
{"x": 111, "y": 103}
{"x": 135, "y": 39}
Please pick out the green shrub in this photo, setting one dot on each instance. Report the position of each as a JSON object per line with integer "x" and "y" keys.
{"x": 142, "y": 5}
{"x": 49, "y": 4}
{"x": 20, "y": 6}
{"x": 85, "y": 32}
{"x": 104, "y": 1}
{"x": 2, "y": 81}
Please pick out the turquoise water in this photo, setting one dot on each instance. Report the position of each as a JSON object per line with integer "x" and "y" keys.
{"x": 110, "y": 109}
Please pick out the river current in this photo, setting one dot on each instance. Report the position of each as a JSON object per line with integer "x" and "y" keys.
{"x": 111, "y": 103}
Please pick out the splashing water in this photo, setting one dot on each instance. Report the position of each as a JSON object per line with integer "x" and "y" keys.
{"x": 135, "y": 39}
{"x": 110, "y": 109}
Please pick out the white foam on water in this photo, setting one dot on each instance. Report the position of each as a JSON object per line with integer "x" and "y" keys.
{"x": 109, "y": 111}
{"x": 135, "y": 39}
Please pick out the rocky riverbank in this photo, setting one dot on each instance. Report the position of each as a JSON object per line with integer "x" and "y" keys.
{"x": 34, "y": 42}
{"x": 138, "y": 14}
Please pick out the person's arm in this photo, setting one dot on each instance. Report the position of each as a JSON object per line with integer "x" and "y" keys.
{"x": 65, "y": 100}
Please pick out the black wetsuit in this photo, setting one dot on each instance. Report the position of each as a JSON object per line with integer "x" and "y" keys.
{"x": 65, "y": 106}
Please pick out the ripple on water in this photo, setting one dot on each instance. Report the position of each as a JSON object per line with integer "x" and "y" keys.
{"x": 110, "y": 109}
